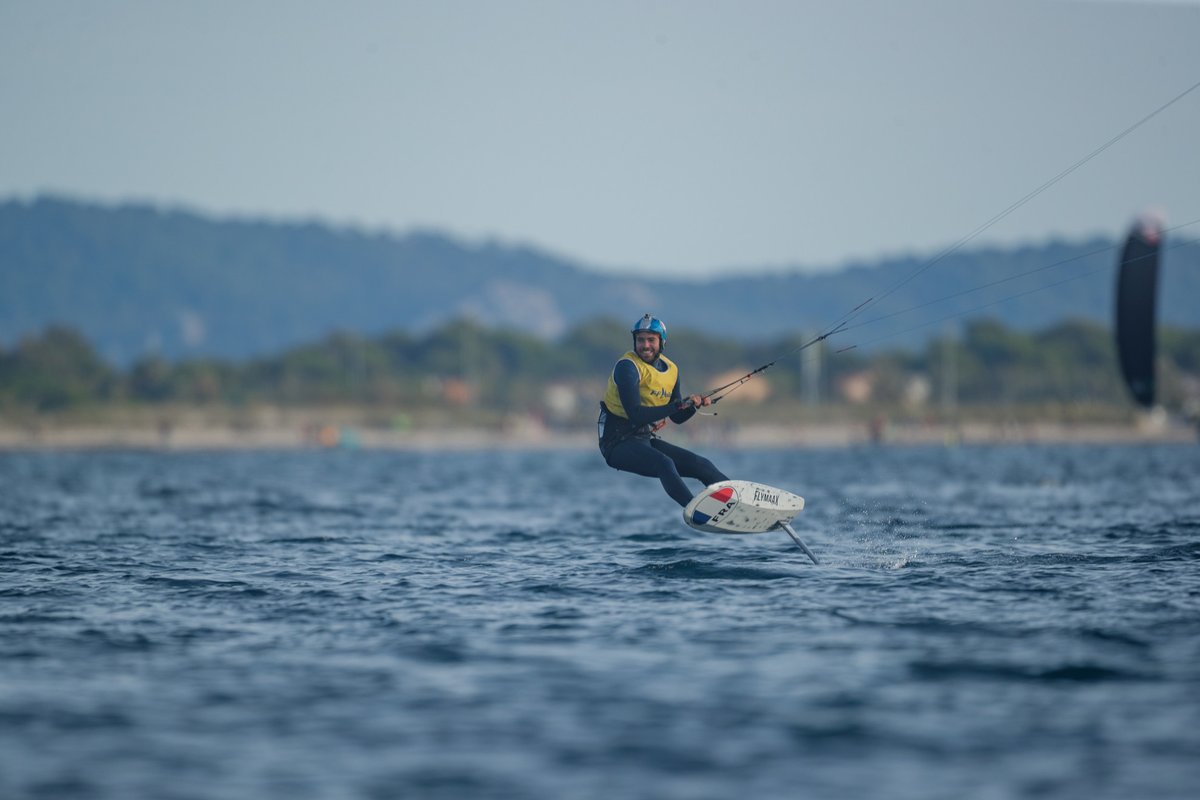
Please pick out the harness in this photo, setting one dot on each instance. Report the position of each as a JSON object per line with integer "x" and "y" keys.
{"x": 612, "y": 429}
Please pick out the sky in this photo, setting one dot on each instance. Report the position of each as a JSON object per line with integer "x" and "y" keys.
{"x": 662, "y": 139}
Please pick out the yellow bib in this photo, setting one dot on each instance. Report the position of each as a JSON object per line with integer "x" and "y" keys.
{"x": 654, "y": 387}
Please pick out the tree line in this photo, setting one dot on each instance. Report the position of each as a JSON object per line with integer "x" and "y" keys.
{"x": 464, "y": 363}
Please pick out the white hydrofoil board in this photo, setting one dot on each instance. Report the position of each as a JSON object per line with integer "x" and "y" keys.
{"x": 742, "y": 507}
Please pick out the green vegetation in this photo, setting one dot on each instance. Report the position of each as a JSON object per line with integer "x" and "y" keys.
{"x": 1067, "y": 372}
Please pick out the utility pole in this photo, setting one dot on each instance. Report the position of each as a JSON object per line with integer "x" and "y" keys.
{"x": 810, "y": 371}
{"x": 949, "y": 394}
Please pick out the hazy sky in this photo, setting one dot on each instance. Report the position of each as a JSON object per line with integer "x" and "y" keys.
{"x": 671, "y": 138}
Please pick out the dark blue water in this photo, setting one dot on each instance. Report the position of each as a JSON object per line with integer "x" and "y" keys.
{"x": 988, "y": 622}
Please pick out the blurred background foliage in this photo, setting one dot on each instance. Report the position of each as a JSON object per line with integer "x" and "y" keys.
{"x": 464, "y": 365}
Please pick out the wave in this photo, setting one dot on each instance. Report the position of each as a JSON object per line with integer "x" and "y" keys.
{"x": 1073, "y": 673}
{"x": 701, "y": 570}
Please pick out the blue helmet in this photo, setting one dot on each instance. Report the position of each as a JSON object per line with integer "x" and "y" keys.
{"x": 652, "y": 324}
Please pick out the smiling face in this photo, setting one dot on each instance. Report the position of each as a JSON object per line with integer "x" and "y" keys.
{"x": 647, "y": 345}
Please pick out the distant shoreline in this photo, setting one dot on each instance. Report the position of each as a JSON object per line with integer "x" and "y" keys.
{"x": 761, "y": 436}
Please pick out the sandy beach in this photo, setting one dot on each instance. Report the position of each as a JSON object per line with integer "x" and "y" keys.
{"x": 534, "y": 436}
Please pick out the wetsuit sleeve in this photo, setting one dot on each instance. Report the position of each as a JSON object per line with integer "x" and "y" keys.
{"x": 625, "y": 375}
{"x": 680, "y": 417}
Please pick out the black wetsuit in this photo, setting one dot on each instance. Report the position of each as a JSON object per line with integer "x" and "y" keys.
{"x": 630, "y": 445}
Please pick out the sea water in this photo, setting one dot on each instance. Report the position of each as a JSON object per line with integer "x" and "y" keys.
{"x": 987, "y": 622}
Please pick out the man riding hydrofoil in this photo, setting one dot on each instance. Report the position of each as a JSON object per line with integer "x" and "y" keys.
{"x": 643, "y": 393}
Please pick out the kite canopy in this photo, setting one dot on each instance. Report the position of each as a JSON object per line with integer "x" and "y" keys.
{"x": 1137, "y": 296}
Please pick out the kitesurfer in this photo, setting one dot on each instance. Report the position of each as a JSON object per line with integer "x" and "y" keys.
{"x": 643, "y": 393}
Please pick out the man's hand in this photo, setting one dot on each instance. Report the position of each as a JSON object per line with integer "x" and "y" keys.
{"x": 657, "y": 426}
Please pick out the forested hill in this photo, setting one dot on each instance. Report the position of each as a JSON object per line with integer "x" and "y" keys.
{"x": 136, "y": 280}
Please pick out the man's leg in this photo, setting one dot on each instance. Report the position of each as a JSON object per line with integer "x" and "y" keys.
{"x": 690, "y": 465}
{"x": 639, "y": 457}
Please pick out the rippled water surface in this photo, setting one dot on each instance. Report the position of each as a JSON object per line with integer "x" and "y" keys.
{"x": 987, "y": 622}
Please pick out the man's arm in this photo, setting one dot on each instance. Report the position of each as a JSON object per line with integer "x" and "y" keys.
{"x": 679, "y": 408}
{"x": 625, "y": 375}
{"x": 684, "y": 411}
